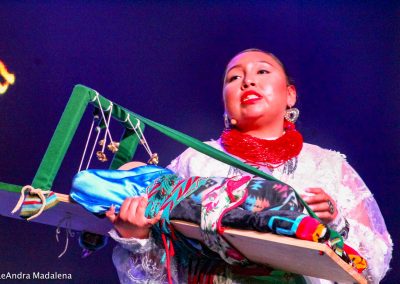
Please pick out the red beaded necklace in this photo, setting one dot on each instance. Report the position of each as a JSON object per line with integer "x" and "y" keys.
{"x": 270, "y": 153}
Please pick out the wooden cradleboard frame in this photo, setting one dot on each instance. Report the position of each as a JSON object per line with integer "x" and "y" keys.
{"x": 284, "y": 253}
{"x": 64, "y": 215}
{"x": 265, "y": 248}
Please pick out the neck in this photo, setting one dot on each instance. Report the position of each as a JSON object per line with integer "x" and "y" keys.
{"x": 265, "y": 131}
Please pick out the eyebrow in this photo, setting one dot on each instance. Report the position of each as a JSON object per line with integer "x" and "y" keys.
{"x": 237, "y": 65}
{"x": 262, "y": 61}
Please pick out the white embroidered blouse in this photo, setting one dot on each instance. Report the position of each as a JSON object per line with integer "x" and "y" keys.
{"x": 316, "y": 167}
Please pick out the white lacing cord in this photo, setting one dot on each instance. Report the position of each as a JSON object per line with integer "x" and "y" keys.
{"x": 98, "y": 129}
{"x": 140, "y": 135}
{"x": 31, "y": 190}
{"x": 87, "y": 143}
{"x": 104, "y": 141}
{"x": 144, "y": 141}
{"x": 69, "y": 233}
{"x": 137, "y": 129}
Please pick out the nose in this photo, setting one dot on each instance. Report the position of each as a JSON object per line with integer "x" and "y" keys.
{"x": 247, "y": 82}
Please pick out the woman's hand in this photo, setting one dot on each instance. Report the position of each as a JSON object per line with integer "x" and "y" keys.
{"x": 131, "y": 222}
{"x": 321, "y": 203}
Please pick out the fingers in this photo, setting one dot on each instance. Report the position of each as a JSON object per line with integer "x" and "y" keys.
{"x": 321, "y": 203}
{"x": 132, "y": 212}
{"x": 314, "y": 190}
{"x": 110, "y": 214}
{"x": 324, "y": 212}
{"x": 316, "y": 198}
{"x": 318, "y": 195}
{"x": 128, "y": 211}
{"x": 131, "y": 221}
{"x": 325, "y": 216}
{"x": 141, "y": 209}
{"x": 155, "y": 219}
{"x": 320, "y": 207}
{"x": 124, "y": 211}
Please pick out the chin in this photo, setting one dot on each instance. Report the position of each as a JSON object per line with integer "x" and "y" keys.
{"x": 251, "y": 121}
{"x": 253, "y": 115}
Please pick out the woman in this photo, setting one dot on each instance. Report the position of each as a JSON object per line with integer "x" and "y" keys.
{"x": 258, "y": 95}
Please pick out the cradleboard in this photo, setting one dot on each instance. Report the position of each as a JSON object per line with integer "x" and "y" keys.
{"x": 288, "y": 254}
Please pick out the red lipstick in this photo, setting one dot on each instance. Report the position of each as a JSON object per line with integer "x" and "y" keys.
{"x": 250, "y": 97}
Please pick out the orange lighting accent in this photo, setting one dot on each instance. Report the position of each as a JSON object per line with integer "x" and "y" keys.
{"x": 9, "y": 78}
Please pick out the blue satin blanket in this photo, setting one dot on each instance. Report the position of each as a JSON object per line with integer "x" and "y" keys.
{"x": 97, "y": 190}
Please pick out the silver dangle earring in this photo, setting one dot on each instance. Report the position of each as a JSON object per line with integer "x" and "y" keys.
{"x": 226, "y": 121}
{"x": 292, "y": 114}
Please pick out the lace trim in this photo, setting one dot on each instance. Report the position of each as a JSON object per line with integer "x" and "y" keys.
{"x": 132, "y": 244}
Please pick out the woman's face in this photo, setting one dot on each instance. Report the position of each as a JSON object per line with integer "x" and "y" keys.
{"x": 256, "y": 92}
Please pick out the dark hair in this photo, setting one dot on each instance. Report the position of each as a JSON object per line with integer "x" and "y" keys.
{"x": 289, "y": 79}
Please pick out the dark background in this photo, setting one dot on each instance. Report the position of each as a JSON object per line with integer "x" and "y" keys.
{"x": 165, "y": 60}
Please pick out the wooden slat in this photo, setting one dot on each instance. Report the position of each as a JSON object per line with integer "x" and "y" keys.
{"x": 288, "y": 254}
{"x": 79, "y": 218}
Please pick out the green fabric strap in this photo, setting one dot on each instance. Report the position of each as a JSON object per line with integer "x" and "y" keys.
{"x": 10, "y": 187}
